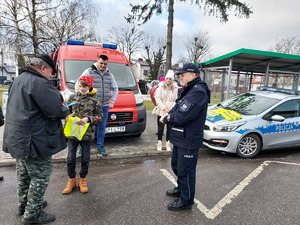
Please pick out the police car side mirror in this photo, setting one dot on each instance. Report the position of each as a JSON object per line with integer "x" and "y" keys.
{"x": 277, "y": 118}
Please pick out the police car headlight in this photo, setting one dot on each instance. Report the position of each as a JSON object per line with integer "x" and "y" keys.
{"x": 139, "y": 98}
{"x": 227, "y": 127}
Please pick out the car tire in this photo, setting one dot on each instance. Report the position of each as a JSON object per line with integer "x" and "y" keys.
{"x": 249, "y": 146}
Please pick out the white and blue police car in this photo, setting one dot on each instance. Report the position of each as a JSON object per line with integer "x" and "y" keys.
{"x": 268, "y": 118}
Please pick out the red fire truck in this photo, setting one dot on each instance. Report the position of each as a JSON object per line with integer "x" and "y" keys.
{"x": 128, "y": 116}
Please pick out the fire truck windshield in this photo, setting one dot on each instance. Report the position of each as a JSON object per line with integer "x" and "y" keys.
{"x": 122, "y": 73}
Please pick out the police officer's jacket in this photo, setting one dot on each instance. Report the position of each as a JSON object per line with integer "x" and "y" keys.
{"x": 33, "y": 117}
{"x": 188, "y": 115}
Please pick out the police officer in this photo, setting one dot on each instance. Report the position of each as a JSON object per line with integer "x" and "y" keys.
{"x": 187, "y": 119}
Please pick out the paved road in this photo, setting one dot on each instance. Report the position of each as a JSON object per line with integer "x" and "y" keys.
{"x": 230, "y": 190}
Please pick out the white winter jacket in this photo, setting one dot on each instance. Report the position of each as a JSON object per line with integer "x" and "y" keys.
{"x": 165, "y": 97}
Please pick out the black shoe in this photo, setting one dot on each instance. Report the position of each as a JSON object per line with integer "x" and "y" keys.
{"x": 41, "y": 219}
{"x": 1, "y": 177}
{"x": 21, "y": 209}
{"x": 173, "y": 193}
{"x": 178, "y": 205}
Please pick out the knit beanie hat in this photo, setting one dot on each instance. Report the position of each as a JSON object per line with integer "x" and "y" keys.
{"x": 88, "y": 79}
{"x": 162, "y": 79}
{"x": 170, "y": 74}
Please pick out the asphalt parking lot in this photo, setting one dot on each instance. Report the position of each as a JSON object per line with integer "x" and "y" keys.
{"x": 229, "y": 190}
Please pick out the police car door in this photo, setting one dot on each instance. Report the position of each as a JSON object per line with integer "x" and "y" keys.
{"x": 286, "y": 133}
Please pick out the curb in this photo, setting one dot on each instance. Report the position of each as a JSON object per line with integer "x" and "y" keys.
{"x": 96, "y": 156}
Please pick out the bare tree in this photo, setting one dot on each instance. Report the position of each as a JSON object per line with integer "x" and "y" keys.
{"x": 220, "y": 8}
{"x": 287, "y": 45}
{"x": 197, "y": 45}
{"x": 36, "y": 10}
{"x": 35, "y": 24}
{"x": 12, "y": 18}
{"x": 128, "y": 38}
{"x": 72, "y": 20}
{"x": 155, "y": 56}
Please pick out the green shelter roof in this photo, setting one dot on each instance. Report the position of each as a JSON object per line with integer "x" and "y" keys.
{"x": 250, "y": 60}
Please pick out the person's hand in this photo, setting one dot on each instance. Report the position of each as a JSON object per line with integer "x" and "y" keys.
{"x": 166, "y": 110}
{"x": 162, "y": 118}
{"x": 83, "y": 121}
{"x": 110, "y": 105}
{"x": 70, "y": 116}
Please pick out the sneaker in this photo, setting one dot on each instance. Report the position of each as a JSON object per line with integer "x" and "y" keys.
{"x": 102, "y": 151}
{"x": 168, "y": 146}
{"x": 80, "y": 152}
{"x": 42, "y": 218}
{"x": 159, "y": 148}
{"x": 21, "y": 209}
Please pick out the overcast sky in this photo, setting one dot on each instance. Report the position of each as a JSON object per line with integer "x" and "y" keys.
{"x": 271, "y": 20}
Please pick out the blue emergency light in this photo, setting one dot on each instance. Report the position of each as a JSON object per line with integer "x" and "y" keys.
{"x": 72, "y": 42}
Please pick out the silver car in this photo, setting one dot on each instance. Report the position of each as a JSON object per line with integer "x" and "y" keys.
{"x": 258, "y": 120}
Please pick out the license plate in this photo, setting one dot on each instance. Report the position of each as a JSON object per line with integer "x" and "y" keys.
{"x": 114, "y": 129}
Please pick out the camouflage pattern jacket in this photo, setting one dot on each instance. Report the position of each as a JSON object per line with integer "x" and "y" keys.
{"x": 87, "y": 105}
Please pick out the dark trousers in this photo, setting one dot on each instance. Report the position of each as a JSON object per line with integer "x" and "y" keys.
{"x": 160, "y": 130}
{"x": 184, "y": 162}
{"x": 85, "y": 157}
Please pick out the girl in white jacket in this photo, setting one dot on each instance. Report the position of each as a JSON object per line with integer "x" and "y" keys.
{"x": 165, "y": 97}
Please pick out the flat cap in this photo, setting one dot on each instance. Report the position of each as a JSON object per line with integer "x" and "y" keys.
{"x": 46, "y": 58}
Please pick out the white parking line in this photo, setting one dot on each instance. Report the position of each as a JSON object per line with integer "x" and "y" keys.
{"x": 217, "y": 209}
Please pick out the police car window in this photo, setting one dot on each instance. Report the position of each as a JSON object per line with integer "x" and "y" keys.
{"x": 249, "y": 104}
{"x": 288, "y": 109}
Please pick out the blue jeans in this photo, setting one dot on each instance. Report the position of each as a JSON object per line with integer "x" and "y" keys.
{"x": 183, "y": 163}
{"x": 85, "y": 157}
{"x": 101, "y": 127}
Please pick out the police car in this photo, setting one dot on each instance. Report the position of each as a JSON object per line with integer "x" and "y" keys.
{"x": 268, "y": 118}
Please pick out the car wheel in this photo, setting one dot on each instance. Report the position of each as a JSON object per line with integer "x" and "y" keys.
{"x": 249, "y": 146}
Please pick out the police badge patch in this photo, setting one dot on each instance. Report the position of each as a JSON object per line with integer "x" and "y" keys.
{"x": 185, "y": 106}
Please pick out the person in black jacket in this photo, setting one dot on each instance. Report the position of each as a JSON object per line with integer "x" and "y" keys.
{"x": 33, "y": 133}
{"x": 187, "y": 119}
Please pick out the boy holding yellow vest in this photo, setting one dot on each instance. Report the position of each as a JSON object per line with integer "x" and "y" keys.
{"x": 80, "y": 130}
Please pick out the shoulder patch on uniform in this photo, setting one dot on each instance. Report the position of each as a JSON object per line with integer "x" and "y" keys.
{"x": 185, "y": 106}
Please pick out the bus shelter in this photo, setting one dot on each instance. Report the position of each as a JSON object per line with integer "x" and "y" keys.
{"x": 247, "y": 69}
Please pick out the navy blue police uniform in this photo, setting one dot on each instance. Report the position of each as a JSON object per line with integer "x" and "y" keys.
{"x": 187, "y": 118}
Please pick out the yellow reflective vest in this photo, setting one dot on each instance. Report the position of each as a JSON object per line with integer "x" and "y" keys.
{"x": 72, "y": 129}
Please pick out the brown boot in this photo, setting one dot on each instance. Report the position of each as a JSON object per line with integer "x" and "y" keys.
{"x": 70, "y": 186}
{"x": 82, "y": 185}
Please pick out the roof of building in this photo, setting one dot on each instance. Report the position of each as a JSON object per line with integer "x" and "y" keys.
{"x": 256, "y": 61}
{"x": 9, "y": 69}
